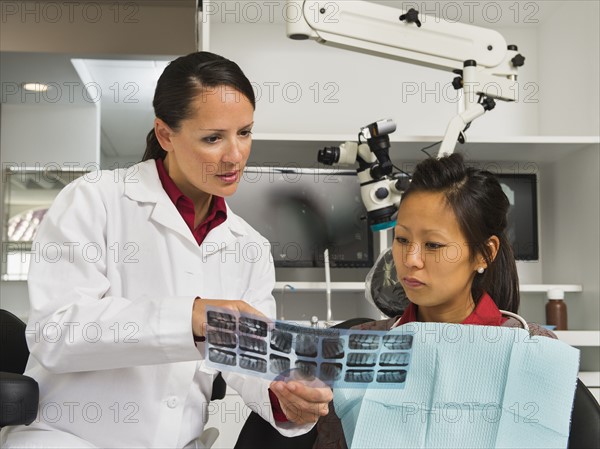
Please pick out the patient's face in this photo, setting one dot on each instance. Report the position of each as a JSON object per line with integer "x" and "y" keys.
{"x": 432, "y": 258}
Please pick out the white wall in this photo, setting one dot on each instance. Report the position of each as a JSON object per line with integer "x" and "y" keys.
{"x": 15, "y": 298}
{"x": 569, "y": 70}
{"x": 320, "y": 89}
{"x": 41, "y": 134}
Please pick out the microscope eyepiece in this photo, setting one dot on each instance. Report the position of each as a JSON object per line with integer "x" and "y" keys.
{"x": 329, "y": 155}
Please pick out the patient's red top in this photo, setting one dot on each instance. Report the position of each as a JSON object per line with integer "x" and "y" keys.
{"x": 486, "y": 313}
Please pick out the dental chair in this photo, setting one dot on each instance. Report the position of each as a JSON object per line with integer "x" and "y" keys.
{"x": 19, "y": 394}
{"x": 585, "y": 420}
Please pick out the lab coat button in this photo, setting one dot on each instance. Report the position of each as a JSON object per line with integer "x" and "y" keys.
{"x": 172, "y": 402}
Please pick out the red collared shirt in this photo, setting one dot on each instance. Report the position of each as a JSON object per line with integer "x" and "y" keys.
{"x": 486, "y": 313}
{"x": 217, "y": 212}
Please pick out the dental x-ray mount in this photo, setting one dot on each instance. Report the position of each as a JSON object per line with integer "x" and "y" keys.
{"x": 485, "y": 66}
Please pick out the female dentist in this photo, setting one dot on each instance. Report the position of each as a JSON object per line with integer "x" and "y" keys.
{"x": 118, "y": 312}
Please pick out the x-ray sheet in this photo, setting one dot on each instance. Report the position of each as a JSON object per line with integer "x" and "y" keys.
{"x": 277, "y": 350}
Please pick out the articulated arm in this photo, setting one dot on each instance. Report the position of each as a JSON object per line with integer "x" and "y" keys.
{"x": 488, "y": 68}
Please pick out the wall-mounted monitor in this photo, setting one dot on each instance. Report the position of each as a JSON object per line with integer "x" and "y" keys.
{"x": 521, "y": 190}
{"x": 303, "y": 211}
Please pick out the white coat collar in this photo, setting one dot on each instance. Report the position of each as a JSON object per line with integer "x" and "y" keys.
{"x": 142, "y": 184}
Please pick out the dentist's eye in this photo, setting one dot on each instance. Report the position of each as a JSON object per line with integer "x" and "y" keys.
{"x": 212, "y": 139}
{"x": 433, "y": 245}
{"x": 246, "y": 133}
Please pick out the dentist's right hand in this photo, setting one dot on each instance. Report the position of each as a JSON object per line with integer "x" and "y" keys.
{"x": 303, "y": 403}
{"x": 237, "y": 307}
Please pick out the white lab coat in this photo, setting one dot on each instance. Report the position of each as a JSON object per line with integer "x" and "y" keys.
{"x": 112, "y": 283}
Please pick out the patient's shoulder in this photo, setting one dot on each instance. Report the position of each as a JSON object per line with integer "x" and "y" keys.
{"x": 534, "y": 329}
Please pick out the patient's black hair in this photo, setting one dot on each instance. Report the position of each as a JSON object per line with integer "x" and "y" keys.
{"x": 481, "y": 208}
{"x": 182, "y": 81}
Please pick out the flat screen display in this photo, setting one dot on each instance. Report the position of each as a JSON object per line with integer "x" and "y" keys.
{"x": 303, "y": 211}
{"x": 521, "y": 190}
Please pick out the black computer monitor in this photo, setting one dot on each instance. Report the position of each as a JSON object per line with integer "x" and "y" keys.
{"x": 303, "y": 211}
{"x": 521, "y": 190}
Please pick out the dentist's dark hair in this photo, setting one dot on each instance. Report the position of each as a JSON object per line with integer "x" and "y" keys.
{"x": 180, "y": 84}
{"x": 481, "y": 208}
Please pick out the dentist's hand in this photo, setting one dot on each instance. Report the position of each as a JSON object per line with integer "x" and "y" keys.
{"x": 301, "y": 403}
{"x": 236, "y": 307}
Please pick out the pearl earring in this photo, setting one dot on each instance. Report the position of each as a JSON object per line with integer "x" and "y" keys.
{"x": 480, "y": 270}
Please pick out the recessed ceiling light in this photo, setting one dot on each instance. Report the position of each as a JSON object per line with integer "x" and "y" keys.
{"x": 35, "y": 87}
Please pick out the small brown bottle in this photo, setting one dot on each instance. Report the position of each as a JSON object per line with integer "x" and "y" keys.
{"x": 556, "y": 309}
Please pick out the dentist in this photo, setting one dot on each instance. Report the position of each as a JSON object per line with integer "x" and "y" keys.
{"x": 118, "y": 312}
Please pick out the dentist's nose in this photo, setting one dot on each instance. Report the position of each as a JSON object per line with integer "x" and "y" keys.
{"x": 233, "y": 153}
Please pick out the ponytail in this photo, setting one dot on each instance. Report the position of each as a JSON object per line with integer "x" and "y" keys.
{"x": 153, "y": 148}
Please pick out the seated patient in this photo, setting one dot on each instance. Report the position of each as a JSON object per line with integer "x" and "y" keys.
{"x": 452, "y": 258}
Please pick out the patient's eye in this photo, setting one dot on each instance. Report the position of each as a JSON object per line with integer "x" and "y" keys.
{"x": 402, "y": 240}
{"x": 433, "y": 245}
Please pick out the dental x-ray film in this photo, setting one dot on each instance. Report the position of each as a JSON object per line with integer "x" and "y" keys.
{"x": 278, "y": 350}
